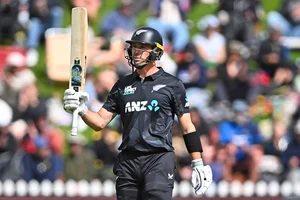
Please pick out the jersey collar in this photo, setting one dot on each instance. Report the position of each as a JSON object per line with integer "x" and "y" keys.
{"x": 157, "y": 74}
{"x": 153, "y": 76}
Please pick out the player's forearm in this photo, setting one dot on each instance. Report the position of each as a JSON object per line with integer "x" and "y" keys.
{"x": 190, "y": 136}
{"x": 94, "y": 120}
{"x": 192, "y": 142}
{"x": 195, "y": 155}
{"x": 189, "y": 128}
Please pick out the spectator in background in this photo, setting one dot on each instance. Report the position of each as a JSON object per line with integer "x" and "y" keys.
{"x": 15, "y": 63}
{"x": 106, "y": 149}
{"x": 139, "y": 6}
{"x": 29, "y": 100}
{"x": 191, "y": 71}
{"x": 261, "y": 108}
{"x": 10, "y": 156}
{"x": 210, "y": 44}
{"x": 104, "y": 81}
{"x": 118, "y": 24}
{"x": 273, "y": 60}
{"x": 118, "y": 21}
{"x": 168, "y": 17}
{"x": 201, "y": 126}
{"x": 275, "y": 145}
{"x": 54, "y": 135}
{"x": 39, "y": 125}
{"x": 271, "y": 167}
{"x": 190, "y": 68}
{"x": 33, "y": 108}
{"x": 109, "y": 56}
{"x": 233, "y": 76}
{"x": 287, "y": 19}
{"x": 80, "y": 163}
{"x": 242, "y": 140}
{"x": 43, "y": 164}
{"x": 238, "y": 19}
{"x": 44, "y": 14}
{"x": 108, "y": 49}
{"x": 291, "y": 156}
{"x": 9, "y": 24}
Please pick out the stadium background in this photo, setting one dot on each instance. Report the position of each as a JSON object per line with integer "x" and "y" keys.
{"x": 50, "y": 88}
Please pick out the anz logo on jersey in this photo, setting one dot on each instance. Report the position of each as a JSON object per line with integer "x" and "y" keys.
{"x": 137, "y": 106}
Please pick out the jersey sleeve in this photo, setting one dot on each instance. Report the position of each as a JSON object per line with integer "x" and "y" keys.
{"x": 180, "y": 101}
{"x": 111, "y": 103}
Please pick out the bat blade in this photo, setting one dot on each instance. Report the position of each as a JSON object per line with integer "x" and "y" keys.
{"x": 79, "y": 40}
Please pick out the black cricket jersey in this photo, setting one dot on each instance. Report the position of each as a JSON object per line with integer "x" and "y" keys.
{"x": 147, "y": 108}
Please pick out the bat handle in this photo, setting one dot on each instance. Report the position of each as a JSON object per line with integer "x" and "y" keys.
{"x": 75, "y": 123}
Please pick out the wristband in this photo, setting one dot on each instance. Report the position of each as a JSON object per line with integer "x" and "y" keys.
{"x": 83, "y": 111}
{"x": 192, "y": 142}
{"x": 197, "y": 162}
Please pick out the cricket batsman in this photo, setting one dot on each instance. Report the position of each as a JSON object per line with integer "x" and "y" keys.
{"x": 147, "y": 101}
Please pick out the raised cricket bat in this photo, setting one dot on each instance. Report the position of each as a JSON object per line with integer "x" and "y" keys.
{"x": 79, "y": 40}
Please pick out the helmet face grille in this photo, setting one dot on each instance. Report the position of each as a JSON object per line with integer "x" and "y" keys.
{"x": 131, "y": 56}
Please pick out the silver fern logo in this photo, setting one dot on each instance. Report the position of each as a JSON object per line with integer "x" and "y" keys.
{"x": 140, "y": 31}
{"x": 157, "y": 87}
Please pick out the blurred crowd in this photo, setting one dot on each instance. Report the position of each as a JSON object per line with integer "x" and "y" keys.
{"x": 242, "y": 83}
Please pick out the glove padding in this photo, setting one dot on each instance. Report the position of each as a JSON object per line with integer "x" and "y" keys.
{"x": 201, "y": 176}
{"x": 75, "y": 100}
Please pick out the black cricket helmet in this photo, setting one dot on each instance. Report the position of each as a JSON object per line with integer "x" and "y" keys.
{"x": 146, "y": 36}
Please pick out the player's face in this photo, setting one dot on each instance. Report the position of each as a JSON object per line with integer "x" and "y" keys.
{"x": 140, "y": 52}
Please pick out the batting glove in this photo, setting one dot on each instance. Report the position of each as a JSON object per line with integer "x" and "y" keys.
{"x": 201, "y": 176}
{"x": 75, "y": 100}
